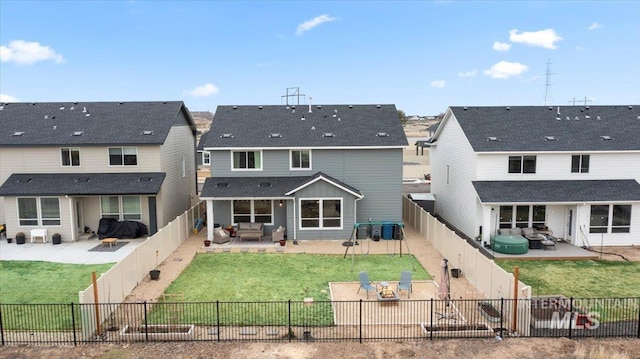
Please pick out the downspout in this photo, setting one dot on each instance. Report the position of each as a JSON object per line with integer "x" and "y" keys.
{"x": 295, "y": 224}
{"x": 355, "y": 209}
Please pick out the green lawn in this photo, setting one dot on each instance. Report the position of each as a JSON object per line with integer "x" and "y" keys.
{"x": 578, "y": 279}
{"x": 233, "y": 278}
{"x": 269, "y": 277}
{"x": 29, "y": 282}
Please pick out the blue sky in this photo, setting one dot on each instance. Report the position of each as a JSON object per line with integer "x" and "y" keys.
{"x": 420, "y": 56}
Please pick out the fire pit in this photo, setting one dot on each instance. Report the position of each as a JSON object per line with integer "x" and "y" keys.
{"x": 387, "y": 294}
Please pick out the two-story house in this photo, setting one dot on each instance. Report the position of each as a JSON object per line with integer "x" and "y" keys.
{"x": 64, "y": 166}
{"x": 316, "y": 170}
{"x": 573, "y": 169}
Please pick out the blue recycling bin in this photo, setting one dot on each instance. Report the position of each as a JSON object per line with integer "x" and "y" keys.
{"x": 387, "y": 230}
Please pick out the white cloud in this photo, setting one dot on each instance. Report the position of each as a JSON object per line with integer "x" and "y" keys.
{"x": 27, "y": 53}
{"x": 501, "y": 46}
{"x": 504, "y": 70}
{"x": 204, "y": 90}
{"x": 543, "y": 38}
{"x": 310, "y": 24}
{"x": 471, "y": 73}
{"x": 438, "y": 84}
{"x": 594, "y": 26}
{"x": 7, "y": 98}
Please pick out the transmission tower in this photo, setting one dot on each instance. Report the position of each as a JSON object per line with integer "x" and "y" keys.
{"x": 547, "y": 84}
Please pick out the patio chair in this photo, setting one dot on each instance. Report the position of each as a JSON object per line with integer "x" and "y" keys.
{"x": 548, "y": 241}
{"x": 366, "y": 284}
{"x": 221, "y": 236}
{"x": 405, "y": 283}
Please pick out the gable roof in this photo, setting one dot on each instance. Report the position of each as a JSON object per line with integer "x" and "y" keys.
{"x": 294, "y": 126}
{"x": 94, "y": 123}
{"x": 557, "y": 191}
{"x": 45, "y": 184}
{"x": 203, "y": 139}
{"x": 548, "y": 128}
{"x": 266, "y": 187}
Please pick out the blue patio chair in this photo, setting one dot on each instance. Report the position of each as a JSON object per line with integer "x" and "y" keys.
{"x": 366, "y": 284}
{"x": 405, "y": 283}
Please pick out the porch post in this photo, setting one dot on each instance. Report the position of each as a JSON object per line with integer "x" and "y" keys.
{"x": 73, "y": 216}
{"x": 487, "y": 215}
{"x": 210, "y": 219}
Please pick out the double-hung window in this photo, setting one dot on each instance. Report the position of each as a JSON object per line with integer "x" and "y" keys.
{"x": 122, "y": 208}
{"x": 300, "y": 159}
{"x": 580, "y": 164}
{"x": 321, "y": 213}
{"x": 43, "y": 211}
{"x": 70, "y": 156}
{"x": 257, "y": 210}
{"x": 246, "y": 160}
{"x": 123, "y": 156}
{"x": 522, "y": 164}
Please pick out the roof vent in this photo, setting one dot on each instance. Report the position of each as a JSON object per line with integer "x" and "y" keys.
{"x": 508, "y": 108}
{"x": 587, "y": 107}
{"x": 24, "y": 180}
{"x": 638, "y": 117}
{"x": 53, "y": 117}
{"x": 465, "y": 108}
{"x": 222, "y": 185}
{"x": 492, "y": 138}
{"x": 558, "y": 118}
{"x": 577, "y": 118}
{"x": 46, "y": 117}
{"x": 1, "y": 107}
{"x": 145, "y": 179}
{"x": 72, "y": 108}
{"x": 77, "y": 133}
{"x": 328, "y": 134}
{"x": 293, "y": 110}
{"x": 18, "y": 133}
{"x": 382, "y": 134}
{"x": 606, "y": 138}
{"x": 62, "y": 107}
{"x": 235, "y": 107}
{"x": 378, "y": 106}
{"x": 226, "y": 135}
{"x": 83, "y": 179}
{"x": 319, "y": 107}
{"x": 568, "y": 118}
{"x": 550, "y": 138}
{"x": 550, "y": 107}
{"x": 350, "y": 106}
{"x": 598, "y": 118}
{"x": 275, "y": 135}
{"x": 313, "y": 128}
{"x": 630, "y": 107}
{"x": 264, "y": 184}
{"x": 84, "y": 110}
{"x": 147, "y": 133}
{"x": 587, "y": 117}
{"x": 302, "y": 118}
{"x": 86, "y": 115}
{"x": 259, "y": 107}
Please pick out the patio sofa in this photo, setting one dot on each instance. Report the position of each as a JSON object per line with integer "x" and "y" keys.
{"x": 249, "y": 230}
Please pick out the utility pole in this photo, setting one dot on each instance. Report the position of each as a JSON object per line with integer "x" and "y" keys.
{"x": 547, "y": 83}
{"x": 585, "y": 100}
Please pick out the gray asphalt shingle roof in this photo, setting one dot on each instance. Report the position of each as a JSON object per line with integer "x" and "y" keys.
{"x": 94, "y": 123}
{"x": 77, "y": 184}
{"x": 557, "y": 191}
{"x": 260, "y": 187}
{"x": 527, "y": 128}
{"x": 283, "y": 126}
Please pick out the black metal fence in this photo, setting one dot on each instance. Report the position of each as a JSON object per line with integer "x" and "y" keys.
{"x": 376, "y": 320}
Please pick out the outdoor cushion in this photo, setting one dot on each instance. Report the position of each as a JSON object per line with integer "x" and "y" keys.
{"x": 256, "y": 225}
{"x": 244, "y": 225}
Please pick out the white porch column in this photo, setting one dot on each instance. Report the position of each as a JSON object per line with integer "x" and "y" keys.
{"x": 210, "y": 219}
{"x": 488, "y": 217}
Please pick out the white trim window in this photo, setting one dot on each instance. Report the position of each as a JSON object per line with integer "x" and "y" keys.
{"x": 123, "y": 156}
{"x": 610, "y": 219}
{"x": 70, "y": 156}
{"x": 300, "y": 160}
{"x": 320, "y": 213}
{"x": 522, "y": 216}
{"x": 246, "y": 160}
{"x": 522, "y": 164}
{"x": 122, "y": 208}
{"x": 38, "y": 211}
{"x": 252, "y": 210}
{"x": 580, "y": 164}
{"x": 206, "y": 158}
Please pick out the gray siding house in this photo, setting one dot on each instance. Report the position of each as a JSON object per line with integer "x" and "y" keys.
{"x": 316, "y": 170}
{"x": 64, "y": 166}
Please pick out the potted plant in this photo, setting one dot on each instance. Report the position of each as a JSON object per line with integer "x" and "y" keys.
{"x": 20, "y": 238}
{"x": 283, "y": 242}
{"x": 154, "y": 274}
{"x": 207, "y": 242}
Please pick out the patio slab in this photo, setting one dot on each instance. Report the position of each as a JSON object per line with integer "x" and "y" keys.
{"x": 564, "y": 251}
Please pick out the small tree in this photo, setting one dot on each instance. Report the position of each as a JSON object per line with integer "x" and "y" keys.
{"x": 402, "y": 116}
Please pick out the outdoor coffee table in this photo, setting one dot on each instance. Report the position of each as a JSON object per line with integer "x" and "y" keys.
{"x": 384, "y": 286}
{"x": 110, "y": 241}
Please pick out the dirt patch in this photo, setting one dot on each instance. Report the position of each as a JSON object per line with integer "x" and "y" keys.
{"x": 631, "y": 253}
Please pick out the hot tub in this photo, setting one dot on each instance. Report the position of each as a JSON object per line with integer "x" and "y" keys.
{"x": 510, "y": 244}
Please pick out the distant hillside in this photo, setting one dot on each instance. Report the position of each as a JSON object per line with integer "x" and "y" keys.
{"x": 203, "y": 121}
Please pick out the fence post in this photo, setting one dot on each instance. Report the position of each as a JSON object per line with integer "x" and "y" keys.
{"x": 146, "y": 323}
{"x": 289, "y": 321}
{"x": 360, "y": 321}
{"x": 570, "y": 317}
{"x": 431, "y": 321}
{"x": 638, "y": 317}
{"x": 501, "y": 316}
{"x": 218, "y": 318}
{"x": 73, "y": 325}
{"x": 2, "y": 329}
